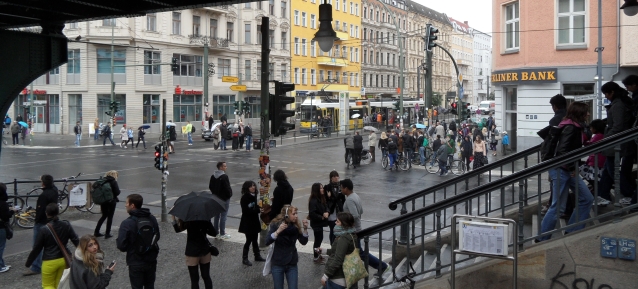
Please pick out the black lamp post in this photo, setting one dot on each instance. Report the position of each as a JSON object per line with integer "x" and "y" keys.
{"x": 630, "y": 7}
{"x": 326, "y": 35}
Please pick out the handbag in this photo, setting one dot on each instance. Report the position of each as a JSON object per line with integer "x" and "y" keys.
{"x": 65, "y": 282}
{"x": 265, "y": 214}
{"x": 213, "y": 250}
{"x": 268, "y": 264}
{"x": 65, "y": 253}
{"x": 178, "y": 225}
{"x": 353, "y": 267}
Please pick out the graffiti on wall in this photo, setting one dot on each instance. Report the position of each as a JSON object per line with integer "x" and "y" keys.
{"x": 579, "y": 283}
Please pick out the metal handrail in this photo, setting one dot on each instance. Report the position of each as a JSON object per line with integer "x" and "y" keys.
{"x": 462, "y": 178}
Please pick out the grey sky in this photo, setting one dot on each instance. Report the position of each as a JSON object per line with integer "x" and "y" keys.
{"x": 477, "y": 12}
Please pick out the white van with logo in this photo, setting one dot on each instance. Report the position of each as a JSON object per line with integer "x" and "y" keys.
{"x": 487, "y": 107}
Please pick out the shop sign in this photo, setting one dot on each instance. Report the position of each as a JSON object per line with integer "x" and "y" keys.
{"x": 525, "y": 76}
{"x": 35, "y": 91}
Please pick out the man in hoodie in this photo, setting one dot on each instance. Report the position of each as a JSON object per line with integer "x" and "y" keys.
{"x": 219, "y": 185}
{"x": 141, "y": 267}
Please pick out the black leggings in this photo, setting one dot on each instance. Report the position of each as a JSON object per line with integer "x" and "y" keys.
{"x": 318, "y": 231}
{"x": 108, "y": 210}
{"x": 251, "y": 238}
{"x": 205, "y": 270}
{"x": 332, "y": 236}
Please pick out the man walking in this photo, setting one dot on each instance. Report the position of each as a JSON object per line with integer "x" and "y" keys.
{"x": 49, "y": 195}
{"x": 78, "y": 133}
{"x": 189, "y": 132}
{"x": 358, "y": 147}
{"x": 348, "y": 143}
{"x": 15, "y": 131}
{"x": 353, "y": 206}
{"x": 223, "y": 129}
{"x": 372, "y": 143}
{"x": 106, "y": 132}
{"x": 219, "y": 185}
{"x": 138, "y": 236}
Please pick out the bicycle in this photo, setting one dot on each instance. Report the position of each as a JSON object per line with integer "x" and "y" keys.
{"x": 416, "y": 158}
{"x": 457, "y": 166}
{"x": 25, "y": 218}
{"x": 63, "y": 197}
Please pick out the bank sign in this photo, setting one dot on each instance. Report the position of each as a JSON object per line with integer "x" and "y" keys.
{"x": 522, "y": 76}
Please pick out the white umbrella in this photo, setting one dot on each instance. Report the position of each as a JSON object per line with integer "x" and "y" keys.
{"x": 170, "y": 124}
{"x": 356, "y": 115}
{"x": 370, "y": 128}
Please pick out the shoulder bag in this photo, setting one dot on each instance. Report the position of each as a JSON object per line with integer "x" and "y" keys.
{"x": 65, "y": 253}
{"x": 353, "y": 267}
{"x": 268, "y": 264}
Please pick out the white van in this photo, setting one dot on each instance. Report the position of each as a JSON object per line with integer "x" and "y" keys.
{"x": 487, "y": 107}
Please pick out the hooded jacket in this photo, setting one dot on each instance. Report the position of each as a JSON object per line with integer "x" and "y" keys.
{"x": 219, "y": 185}
{"x": 348, "y": 142}
{"x": 46, "y": 243}
{"x": 48, "y": 195}
{"x": 128, "y": 234}
{"x": 282, "y": 195}
{"x": 336, "y": 199}
{"x": 571, "y": 138}
{"x": 82, "y": 277}
{"x": 115, "y": 188}
{"x": 620, "y": 118}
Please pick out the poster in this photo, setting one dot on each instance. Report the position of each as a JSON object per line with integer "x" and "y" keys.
{"x": 78, "y": 194}
{"x": 485, "y": 238}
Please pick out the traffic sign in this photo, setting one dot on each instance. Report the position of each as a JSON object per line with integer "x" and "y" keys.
{"x": 238, "y": 87}
{"x": 584, "y": 97}
{"x": 230, "y": 79}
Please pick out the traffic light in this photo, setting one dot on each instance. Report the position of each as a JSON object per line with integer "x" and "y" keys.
{"x": 453, "y": 110}
{"x": 277, "y": 111}
{"x": 236, "y": 105}
{"x": 158, "y": 156}
{"x": 246, "y": 107}
{"x": 174, "y": 66}
{"x": 396, "y": 106}
{"x": 430, "y": 37}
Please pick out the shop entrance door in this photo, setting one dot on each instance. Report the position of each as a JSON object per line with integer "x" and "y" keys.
{"x": 39, "y": 120}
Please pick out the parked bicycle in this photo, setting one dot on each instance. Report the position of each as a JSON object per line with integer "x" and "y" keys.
{"x": 400, "y": 163}
{"x": 366, "y": 158}
{"x": 63, "y": 197}
{"x": 24, "y": 217}
{"x": 457, "y": 167}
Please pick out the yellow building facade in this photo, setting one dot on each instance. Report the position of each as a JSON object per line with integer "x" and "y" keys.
{"x": 313, "y": 70}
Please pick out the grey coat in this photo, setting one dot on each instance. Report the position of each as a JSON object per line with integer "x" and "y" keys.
{"x": 620, "y": 118}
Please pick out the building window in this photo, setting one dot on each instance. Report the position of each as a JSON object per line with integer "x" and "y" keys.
{"x": 345, "y": 6}
{"x": 271, "y": 36}
{"x": 321, "y": 79}
{"x": 365, "y": 11}
{"x": 296, "y": 75}
{"x": 108, "y": 22}
{"x": 329, "y": 75}
{"x": 303, "y": 76}
{"x": 258, "y": 33}
{"x": 187, "y": 107}
{"x": 224, "y": 104}
{"x": 312, "y": 21}
{"x": 303, "y": 47}
{"x": 364, "y": 75}
{"x": 337, "y": 27}
{"x": 351, "y": 54}
{"x": 196, "y": 25}
{"x": 229, "y": 31}
{"x": 356, "y": 9}
{"x": 296, "y": 17}
{"x": 571, "y": 21}
{"x": 151, "y": 22}
{"x": 177, "y": 23}
{"x": 152, "y": 59}
{"x": 351, "y": 8}
{"x": 303, "y": 19}
{"x": 297, "y": 45}
{"x": 151, "y": 107}
{"x": 73, "y": 25}
{"x": 223, "y": 66}
{"x": 283, "y": 10}
{"x": 365, "y": 54}
{"x": 247, "y": 73}
{"x": 337, "y": 4}
{"x": 356, "y": 55}
{"x": 258, "y": 70}
{"x": 247, "y": 33}
{"x": 213, "y": 28}
{"x": 259, "y": 5}
{"x": 104, "y": 65}
{"x": 284, "y": 72}
{"x": 284, "y": 37}
{"x": 351, "y": 79}
{"x": 271, "y": 71}
{"x": 313, "y": 79}
{"x": 103, "y": 102}
{"x": 356, "y": 82}
{"x": 512, "y": 26}
{"x": 271, "y": 7}
{"x": 73, "y": 67}
{"x": 313, "y": 49}
{"x": 247, "y": 5}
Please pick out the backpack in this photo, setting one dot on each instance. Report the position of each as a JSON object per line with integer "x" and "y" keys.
{"x": 101, "y": 191}
{"x": 550, "y": 142}
{"x": 146, "y": 236}
{"x": 426, "y": 143}
{"x": 192, "y": 128}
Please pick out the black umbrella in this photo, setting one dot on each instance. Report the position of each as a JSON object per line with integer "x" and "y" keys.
{"x": 198, "y": 206}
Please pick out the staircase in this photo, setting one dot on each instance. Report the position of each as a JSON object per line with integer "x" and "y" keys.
{"x": 512, "y": 188}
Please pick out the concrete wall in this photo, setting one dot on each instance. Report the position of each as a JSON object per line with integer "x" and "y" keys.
{"x": 568, "y": 262}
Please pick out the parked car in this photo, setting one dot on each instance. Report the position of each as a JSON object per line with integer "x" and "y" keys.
{"x": 207, "y": 135}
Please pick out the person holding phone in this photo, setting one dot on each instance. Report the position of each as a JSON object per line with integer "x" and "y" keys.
{"x": 284, "y": 231}
{"x": 88, "y": 269}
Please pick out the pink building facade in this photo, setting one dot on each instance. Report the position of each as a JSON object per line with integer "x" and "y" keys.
{"x": 546, "y": 47}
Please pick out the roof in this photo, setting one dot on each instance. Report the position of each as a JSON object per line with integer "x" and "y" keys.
{"x": 461, "y": 26}
{"x": 25, "y": 13}
{"x": 427, "y": 12}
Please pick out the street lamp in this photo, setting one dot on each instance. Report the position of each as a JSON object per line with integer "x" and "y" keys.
{"x": 326, "y": 36}
{"x": 630, "y": 7}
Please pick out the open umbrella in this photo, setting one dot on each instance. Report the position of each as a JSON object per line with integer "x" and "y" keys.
{"x": 420, "y": 125}
{"x": 370, "y": 128}
{"x": 24, "y": 124}
{"x": 356, "y": 115}
{"x": 146, "y": 126}
{"x": 170, "y": 124}
{"x": 198, "y": 206}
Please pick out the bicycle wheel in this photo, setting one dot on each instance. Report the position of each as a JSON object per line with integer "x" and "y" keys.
{"x": 93, "y": 208}
{"x": 63, "y": 201}
{"x": 428, "y": 153}
{"x": 458, "y": 167}
{"x": 32, "y": 198}
{"x": 26, "y": 219}
{"x": 384, "y": 161}
{"x": 432, "y": 166}
{"x": 403, "y": 164}
{"x": 14, "y": 202}
{"x": 367, "y": 159}
{"x": 349, "y": 160}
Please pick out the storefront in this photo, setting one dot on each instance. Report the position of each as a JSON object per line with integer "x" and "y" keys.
{"x": 46, "y": 110}
{"x": 187, "y": 106}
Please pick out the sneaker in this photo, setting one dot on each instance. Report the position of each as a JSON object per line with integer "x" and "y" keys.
{"x": 225, "y": 236}
{"x": 602, "y": 202}
{"x": 4, "y": 269}
{"x": 30, "y": 273}
{"x": 625, "y": 201}
{"x": 387, "y": 269}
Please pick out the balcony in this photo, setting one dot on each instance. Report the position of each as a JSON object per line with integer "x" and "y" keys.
{"x": 463, "y": 62}
{"x": 332, "y": 61}
{"x": 389, "y": 25}
{"x": 213, "y": 42}
{"x": 342, "y": 35}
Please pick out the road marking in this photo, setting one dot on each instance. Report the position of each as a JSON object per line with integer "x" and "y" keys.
{"x": 160, "y": 201}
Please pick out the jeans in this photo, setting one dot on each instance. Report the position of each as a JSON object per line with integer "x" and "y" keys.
{"x": 96, "y": 134}
{"x": 562, "y": 181}
{"x": 442, "y": 168}
{"x": 407, "y": 153}
{"x": 332, "y": 285}
{"x": 109, "y": 137}
{"x": 219, "y": 221}
{"x": 108, "y": 210}
{"x": 373, "y": 261}
{"x": 249, "y": 142}
{"x": 140, "y": 139}
{"x": 222, "y": 144}
{"x": 190, "y": 137}
{"x": 78, "y": 138}
{"x": 422, "y": 155}
{"x": 607, "y": 179}
{"x": 15, "y": 139}
{"x": 291, "y": 274}
{"x": 37, "y": 264}
{"x": 142, "y": 276}
{"x": 393, "y": 158}
{"x": 3, "y": 243}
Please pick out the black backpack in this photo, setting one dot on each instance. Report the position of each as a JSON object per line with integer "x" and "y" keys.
{"x": 192, "y": 128}
{"x": 146, "y": 236}
{"x": 101, "y": 191}
{"x": 551, "y": 137}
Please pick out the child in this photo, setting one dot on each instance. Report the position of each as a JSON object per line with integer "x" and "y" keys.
{"x": 506, "y": 142}
{"x": 587, "y": 170}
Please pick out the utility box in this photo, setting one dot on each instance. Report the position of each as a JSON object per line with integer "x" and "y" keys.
{"x": 273, "y": 143}
{"x": 257, "y": 144}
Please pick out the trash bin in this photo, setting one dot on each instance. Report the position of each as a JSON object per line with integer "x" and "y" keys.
{"x": 257, "y": 144}
{"x": 273, "y": 143}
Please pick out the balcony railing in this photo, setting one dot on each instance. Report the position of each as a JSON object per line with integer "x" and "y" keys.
{"x": 213, "y": 42}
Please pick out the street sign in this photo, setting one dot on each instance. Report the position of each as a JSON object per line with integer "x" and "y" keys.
{"x": 363, "y": 91}
{"x": 460, "y": 77}
{"x": 238, "y": 87}
{"x": 626, "y": 249}
{"x": 230, "y": 79}
{"x": 584, "y": 97}
{"x": 608, "y": 247}
{"x": 461, "y": 92}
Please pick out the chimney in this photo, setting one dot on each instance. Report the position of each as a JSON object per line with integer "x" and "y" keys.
{"x": 466, "y": 23}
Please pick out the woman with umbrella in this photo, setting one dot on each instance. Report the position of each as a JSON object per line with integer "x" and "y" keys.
{"x": 250, "y": 224}
{"x": 140, "y": 135}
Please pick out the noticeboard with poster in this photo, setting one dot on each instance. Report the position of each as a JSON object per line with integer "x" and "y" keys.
{"x": 78, "y": 194}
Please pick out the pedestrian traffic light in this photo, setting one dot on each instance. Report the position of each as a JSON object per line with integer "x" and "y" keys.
{"x": 246, "y": 107}
{"x": 277, "y": 111}
{"x": 174, "y": 66}
{"x": 396, "y": 106}
{"x": 158, "y": 156}
{"x": 430, "y": 37}
{"x": 237, "y": 107}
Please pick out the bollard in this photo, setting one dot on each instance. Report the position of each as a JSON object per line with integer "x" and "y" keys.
{"x": 294, "y": 136}
{"x": 282, "y": 139}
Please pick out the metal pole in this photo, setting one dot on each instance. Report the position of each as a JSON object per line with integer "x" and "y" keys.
{"x": 428, "y": 80}
{"x": 31, "y": 116}
{"x": 265, "y": 100}
{"x": 164, "y": 171}
{"x": 112, "y": 72}
{"x": 599, "y": 65}
{"x": 206, "y": 39}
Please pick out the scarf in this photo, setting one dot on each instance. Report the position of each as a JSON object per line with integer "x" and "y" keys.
{"x": 339, "y": 231}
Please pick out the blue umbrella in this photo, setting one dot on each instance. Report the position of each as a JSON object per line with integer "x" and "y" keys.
{"x": 146, "y": 126}
{"x": 24, "y": 124}
{"x": 420, "y": 125}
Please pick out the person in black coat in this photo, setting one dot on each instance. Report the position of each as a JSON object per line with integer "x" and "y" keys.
{"x": 358, "y": 147}
{"x": 466, "y": 151}
{"x": 210, "y": 122}
{"x": 5, "y": 215}
{"x": 284, "y": 231}
{"x": 223, "y": 129}
{"x": 334, "y": 201}
{"x": 49, "y": 195}
{"x": 282, "y": 195}
{"x": 250, "y": 224}
{"x": 108, "y": 208}
{"x": 318, "y": 214}
{"x": 198, "y": 252}
{"x": 248, "y": 131}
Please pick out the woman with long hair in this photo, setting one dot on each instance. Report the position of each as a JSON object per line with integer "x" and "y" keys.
{"x": 250, "y": 224}
{"x": 318, "y": 214}
{"x": 88, "y": 269}
{"x": 479, "y": 152}
{"x": 284, "y": 231}
{"x": 108, "y": 208}
{"x": 333, "y": 277}
{"x": 563, "y": 178}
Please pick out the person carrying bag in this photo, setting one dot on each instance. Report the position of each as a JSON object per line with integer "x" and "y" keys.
{"x": 344, "y": 267}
